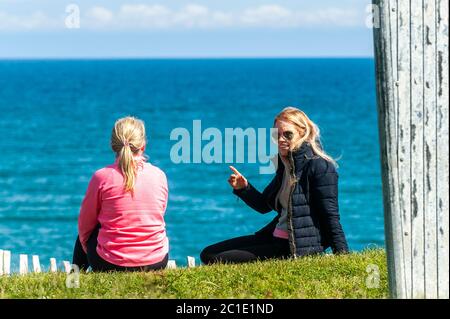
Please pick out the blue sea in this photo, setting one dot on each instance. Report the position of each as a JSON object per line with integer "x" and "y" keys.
{"x": 57, "y": 116}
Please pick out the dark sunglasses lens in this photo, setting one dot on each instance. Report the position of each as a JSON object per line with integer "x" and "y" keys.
{"x": 288, "y": 135}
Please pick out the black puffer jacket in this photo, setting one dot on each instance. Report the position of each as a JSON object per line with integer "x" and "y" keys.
{"x": 313, "y": 214}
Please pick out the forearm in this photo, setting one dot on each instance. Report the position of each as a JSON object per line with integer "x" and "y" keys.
{"x": 85, "y": 230}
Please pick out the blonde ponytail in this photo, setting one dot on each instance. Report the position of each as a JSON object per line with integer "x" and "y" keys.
{"x": 127, "y": 139}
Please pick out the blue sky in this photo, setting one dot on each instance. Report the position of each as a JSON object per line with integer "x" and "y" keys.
{"x": 179, "y": 28}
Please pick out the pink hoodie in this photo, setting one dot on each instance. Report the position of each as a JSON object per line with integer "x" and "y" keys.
{"x": 132, "y": 229}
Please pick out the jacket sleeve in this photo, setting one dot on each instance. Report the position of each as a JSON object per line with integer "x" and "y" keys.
{"x": 90, "y": 208}
{"x": 324, "y": 195}
{"x": 254, "y": 199}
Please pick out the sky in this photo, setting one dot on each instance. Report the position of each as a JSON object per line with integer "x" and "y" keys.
{"x": 184, "y": 29}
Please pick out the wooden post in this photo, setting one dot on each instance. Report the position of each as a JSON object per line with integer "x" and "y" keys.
{"x": 67, "y": 266}
{"x": 1, "y": 262}
{"x": 190, "y": 261}
{"x": 411, "y": 57}
{"x": 36, "y": 264}
{"x": 23, "y": 264}
{"x": 171, "y": 264}
{"x": 6, "y": 262}
{"x": 53, "y": 267}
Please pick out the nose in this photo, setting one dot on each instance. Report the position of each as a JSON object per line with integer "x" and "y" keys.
{"x": 282, "y": 139}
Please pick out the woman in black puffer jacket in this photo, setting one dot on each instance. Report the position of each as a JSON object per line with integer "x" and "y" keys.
{"x": 304, "y": 193}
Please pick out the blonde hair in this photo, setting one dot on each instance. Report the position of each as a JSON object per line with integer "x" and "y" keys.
{"x": 308, "y": 130}
{"x": 127, "y": 138}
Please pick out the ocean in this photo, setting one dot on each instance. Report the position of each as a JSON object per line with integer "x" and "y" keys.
{"x": 57, "y": 116}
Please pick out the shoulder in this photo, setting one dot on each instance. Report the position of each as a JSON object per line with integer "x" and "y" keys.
{"x": 156, "y": 171}
{"x": 320, "y": 166}
{"x": 103, "y": 173}
{"x": 100, "y": 176}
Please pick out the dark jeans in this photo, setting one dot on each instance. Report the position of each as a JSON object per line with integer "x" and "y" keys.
{"x": 97, "y": 263}
{"x": 246, "y": 249}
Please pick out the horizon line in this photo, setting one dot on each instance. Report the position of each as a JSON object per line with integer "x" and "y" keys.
{"x": 188, "y": 57}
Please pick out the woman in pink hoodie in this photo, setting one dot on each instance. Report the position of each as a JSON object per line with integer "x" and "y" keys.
{"x": 121, "y": 223}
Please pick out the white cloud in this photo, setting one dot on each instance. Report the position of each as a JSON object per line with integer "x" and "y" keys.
{"x": 198, "y": 16}
{"x": 278, "y": 16}
{"x": 157, "y": 16}
{"x": 35, "y": 20}
{"x": 144, "y": 16}
{"x": 332, "y": 16}
{"x": 191, "y": 16}
{"x": 99, "y": 16}
{"x": 272, "y": 15}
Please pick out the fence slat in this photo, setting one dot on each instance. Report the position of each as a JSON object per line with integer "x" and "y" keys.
{"x": 416, "y": 163}
{"x": 6, "y": 262}
{"x": 1, "y": 262}
{"x": 23, "y": 264}
{"x": 190, "y": 261}
{"x": 53, "y": 267}
{"x": 36, "y": 264}
{"x": 67, "y": 266}
{"x": 430, "y": 169}
{"x": 171, "y": 264}
{"x": 404, "y": 141}
{"x": 442, "y": 156}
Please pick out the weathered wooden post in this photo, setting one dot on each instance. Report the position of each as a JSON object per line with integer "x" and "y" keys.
{"x": 6, "y": 262}
{"x": 23, "y": 264}
{"x": 171, "y": 264}
{"x": 36, "y": 264}
{"x": 67, "y": 266}
{"x": 1, "y": 262}
{"x": 411, "y": 53}
{"x": 190, "y": 261}
{"x": 53, "y": 267}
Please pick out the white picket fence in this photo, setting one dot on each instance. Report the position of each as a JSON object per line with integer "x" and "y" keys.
{"x": 5, "y": 264}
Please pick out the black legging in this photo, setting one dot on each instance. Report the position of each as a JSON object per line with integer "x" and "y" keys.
{"x": 97, "y": 263}
{"x": 246, "y": 249}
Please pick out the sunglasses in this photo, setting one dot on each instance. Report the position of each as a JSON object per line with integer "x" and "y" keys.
{"x": 288, "y": 135}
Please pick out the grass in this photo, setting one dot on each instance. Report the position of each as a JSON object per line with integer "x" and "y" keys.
{"x": 344, "y": 276}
